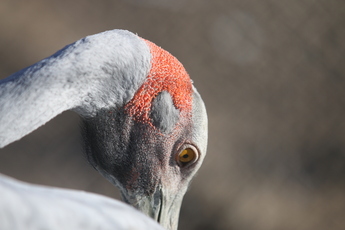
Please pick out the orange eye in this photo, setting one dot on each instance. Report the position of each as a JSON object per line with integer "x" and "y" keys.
{"x": 187, "y": 155}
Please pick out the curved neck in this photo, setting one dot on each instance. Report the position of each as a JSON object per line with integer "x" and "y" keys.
{"x": 99, "y": 71}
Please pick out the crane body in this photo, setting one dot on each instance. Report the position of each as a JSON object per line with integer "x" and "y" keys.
{"x": 31, "y": 207}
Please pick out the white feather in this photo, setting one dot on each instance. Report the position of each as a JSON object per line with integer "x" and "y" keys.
{"x": 24, "y": 207}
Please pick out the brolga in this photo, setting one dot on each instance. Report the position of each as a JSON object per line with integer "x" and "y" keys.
{"x": 144, "y": 129}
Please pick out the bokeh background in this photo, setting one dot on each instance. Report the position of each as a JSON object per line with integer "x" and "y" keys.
{"x": 271, "y": 73}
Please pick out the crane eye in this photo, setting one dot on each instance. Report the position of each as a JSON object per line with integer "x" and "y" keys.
{"x": 186, "y": 156}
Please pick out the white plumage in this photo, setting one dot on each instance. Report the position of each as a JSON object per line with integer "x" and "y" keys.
{"x": 25, "y": 206}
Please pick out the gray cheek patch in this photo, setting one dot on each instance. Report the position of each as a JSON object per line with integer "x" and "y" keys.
{"x": 164, "y": 115}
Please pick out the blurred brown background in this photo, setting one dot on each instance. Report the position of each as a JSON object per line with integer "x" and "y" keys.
{"x": 271, "y": 74}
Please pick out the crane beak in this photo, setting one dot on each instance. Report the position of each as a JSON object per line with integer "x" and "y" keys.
{"x": 162, "y": 207}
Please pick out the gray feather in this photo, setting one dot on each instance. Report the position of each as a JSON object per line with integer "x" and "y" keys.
{"x": 164, "y": 115}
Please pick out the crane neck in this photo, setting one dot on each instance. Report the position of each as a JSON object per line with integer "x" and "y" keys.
{"x": 97, "y": 72}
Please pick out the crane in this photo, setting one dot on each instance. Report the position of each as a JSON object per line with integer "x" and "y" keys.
{"x": 144, "y": 124}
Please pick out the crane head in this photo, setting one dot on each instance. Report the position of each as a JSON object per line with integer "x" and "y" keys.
{"x": 152, "y": 146}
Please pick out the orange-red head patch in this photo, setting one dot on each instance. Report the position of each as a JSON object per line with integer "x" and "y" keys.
{"x": 166, "y": 74}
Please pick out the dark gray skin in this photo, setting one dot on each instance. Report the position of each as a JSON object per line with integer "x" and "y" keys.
{"x": 141, "y": 159}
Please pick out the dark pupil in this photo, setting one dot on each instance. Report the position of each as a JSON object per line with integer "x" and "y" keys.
{"x": 185, "y": 156}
